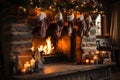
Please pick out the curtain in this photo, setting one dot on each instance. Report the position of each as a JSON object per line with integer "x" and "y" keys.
{"x": 115, "y": 25}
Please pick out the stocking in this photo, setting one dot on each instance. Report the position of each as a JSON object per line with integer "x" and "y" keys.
{"x": 88, "y": 27}
{"x": 81, "y": 27}
{"x": 59, "y": 29}
{"x": 70, "y": 26}
{"x": 70, "y": 31}
{"x": 43, "y": 28}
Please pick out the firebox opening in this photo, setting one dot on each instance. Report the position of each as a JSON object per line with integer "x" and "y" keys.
{"x": 54, "y": 49}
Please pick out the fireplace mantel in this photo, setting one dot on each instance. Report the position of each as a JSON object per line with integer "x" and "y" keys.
{"x": 70, "y": 71}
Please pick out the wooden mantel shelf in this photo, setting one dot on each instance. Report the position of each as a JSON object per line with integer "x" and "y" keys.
{"x": 52, "y": 71}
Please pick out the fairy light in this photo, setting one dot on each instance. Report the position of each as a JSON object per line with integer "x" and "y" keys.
{"x": 31, "y": 3}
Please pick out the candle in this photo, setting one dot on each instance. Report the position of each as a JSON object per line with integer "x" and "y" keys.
{"x": 26, "y": 65}
{"x": 92, "y": 61}
{"x": 103, "y": 53}
{"x": 23, "y": 70}
{"x": 97, "y": 52}
{"x": 87, "y": 61}
{"x": 95, "y": 59}
{"x": 32, "y": 62}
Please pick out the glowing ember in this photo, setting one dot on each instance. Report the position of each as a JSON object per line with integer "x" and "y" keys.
{"x": 48, "y": 48}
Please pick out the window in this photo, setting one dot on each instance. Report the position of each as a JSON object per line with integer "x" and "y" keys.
{"x": 98, "y": 25}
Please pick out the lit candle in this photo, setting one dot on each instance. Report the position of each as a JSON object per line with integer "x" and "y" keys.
{"x": 26, "y": 65}
{"x": 103, "y": 53}
{"x": 32, "y": 62}
{"x": 92, "y": 61}
{"x": 23, "y": 70}
{"x": 87, "y": 61}
{"x": 95, "y": 58}
{"x": 97, "y": 52}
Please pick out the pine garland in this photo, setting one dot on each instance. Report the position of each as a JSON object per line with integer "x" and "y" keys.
{"x": 63, "y": 5}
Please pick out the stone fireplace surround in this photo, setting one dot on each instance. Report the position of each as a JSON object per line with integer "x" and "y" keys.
{"x": 16, "y": 40}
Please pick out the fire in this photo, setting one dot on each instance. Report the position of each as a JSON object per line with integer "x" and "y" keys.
{"x": 32, "y": 49}
{"x": 48, "y": 48}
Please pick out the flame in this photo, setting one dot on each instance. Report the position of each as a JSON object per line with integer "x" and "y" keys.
{"x": 48, "y": 48}
{"x": 32, "y": 49}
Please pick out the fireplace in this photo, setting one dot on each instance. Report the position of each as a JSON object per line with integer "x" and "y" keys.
{"x": 60, "y": 48}
{"x": 50, "y": 52}
{"x": 18, "y": 39}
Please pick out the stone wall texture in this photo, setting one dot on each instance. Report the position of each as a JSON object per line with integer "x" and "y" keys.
{"x": 16, "y": 40}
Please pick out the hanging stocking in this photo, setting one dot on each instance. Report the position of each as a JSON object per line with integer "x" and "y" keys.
{"x": 70, "y": 31}
{"x": 59, "y": 29}
{"x": 89, "y": 25}
{"x": 43, "y": 28}
{"x": 70, "y": 28}
{"x": 81, "y": 27}
{"x": 87, "y": 28}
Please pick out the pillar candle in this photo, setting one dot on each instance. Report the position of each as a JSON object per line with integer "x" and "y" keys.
{"x": 26, "y": 65}
{"x": 87, "y": 61}
{"x": 32, "y": 62}
{"x": 91, "y": 61}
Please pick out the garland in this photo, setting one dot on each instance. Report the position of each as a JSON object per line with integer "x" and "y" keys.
{"x": 82, "y": 6}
